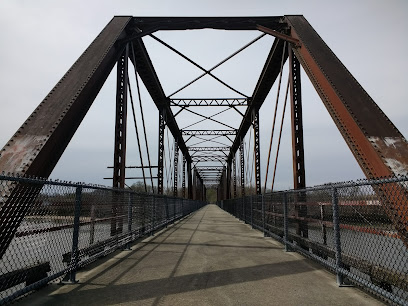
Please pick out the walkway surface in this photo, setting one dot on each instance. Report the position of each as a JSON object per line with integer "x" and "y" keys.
{"x": 208, "y": 258}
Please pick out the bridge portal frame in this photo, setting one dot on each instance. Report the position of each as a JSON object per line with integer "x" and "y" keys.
{"x": 378, "y": 146}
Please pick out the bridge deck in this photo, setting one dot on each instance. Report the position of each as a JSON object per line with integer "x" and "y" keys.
{"x": 208, "y": 258}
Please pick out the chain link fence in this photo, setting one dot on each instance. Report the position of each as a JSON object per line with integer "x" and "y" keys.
{"x": 358, "y": 230}
{"x": 50, "y": 229}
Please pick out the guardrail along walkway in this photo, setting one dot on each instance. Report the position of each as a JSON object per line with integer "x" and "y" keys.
{"x": 207, "y": 258}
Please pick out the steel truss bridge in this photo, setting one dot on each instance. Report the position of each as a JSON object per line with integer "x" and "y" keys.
{"x": 34, "y": 150}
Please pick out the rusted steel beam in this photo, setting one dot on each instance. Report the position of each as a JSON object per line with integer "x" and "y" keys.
{"x": 221, "y": 23}
{"x": 160, "y": 154}
{"x": 278, "y": 35}
{"x": 176, "y": 158}
{"x": 257, "y": 153}
{"x": 119, "y": 154}
{"x": 377, "y": 145}
{"x": 298, "y": 156}
{"x": 39, "y": 143}
{"x": 119, "y": 159}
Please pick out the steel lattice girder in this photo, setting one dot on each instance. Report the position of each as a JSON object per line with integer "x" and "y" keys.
{"x": 209, "y": 102}
{"x": 204, "y": 149}
{"x": 209, "y": 132}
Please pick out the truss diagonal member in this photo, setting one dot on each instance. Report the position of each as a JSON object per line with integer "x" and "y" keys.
{"x": 274, "y": 120}
{"x": 265, "y": 82}
{"x": 151, "y": 81}
{"x": 205, "y": 118}
{"x": 279, "y": 35}
{"x": 377, "y": 145}
{"x": 208, "y": 140}
{"x": 219, "y": 64}
{"x": 137, "y": 135}
{"x": 197, "y": 65}
{"x": 142, "y": 115}
{"x": 38, "y": 144}
{"x": 209, "y": 118}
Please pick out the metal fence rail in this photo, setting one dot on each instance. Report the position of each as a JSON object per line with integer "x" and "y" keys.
{"x": 67, "y": 226}
{"x": 345, "y": 226}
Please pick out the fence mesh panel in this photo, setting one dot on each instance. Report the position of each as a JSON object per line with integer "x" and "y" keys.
{"x": 53, "y": 228}
{"x": 358, "y": 230}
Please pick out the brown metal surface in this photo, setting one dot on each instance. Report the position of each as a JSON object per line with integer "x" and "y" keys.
{"x": 298, "y": 156}
{"x": 119, "y": 155}
{"x": 39, "y": 143}
{"x": 278, "y": 35}
{"x": 378, "y": 146}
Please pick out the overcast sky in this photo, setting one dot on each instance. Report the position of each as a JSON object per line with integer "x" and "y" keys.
{"x": 40, "y": 40}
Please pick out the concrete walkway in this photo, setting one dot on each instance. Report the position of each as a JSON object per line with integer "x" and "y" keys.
{"x": 208, "y": 258}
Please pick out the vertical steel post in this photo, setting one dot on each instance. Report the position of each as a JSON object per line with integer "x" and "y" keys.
{"x": 336, "y": 229}
{"x": 184, "y": 177}
{"x": 153, "y": 216}
{"x": 75, "y": 235}
{"x": 298, "y": 159}
{"x": 92, "y": 225}
{"x": 119, "y": 156}
{"x": 190, "y": 181}
{"x": 130, "y": 219}
{"x": 252, "y": 210}
{"x": 194, "y": 185}
{"x": 162, "y": 126}
{"x": 234, "y": 177}
{"x": 244, "y": 209}
{"x": 176, "y": 158}
{"x": 166, "y": 204}
{"x": 174, "y": 209}
{"x": 263, "y": 213}
{"x": 324, "y": 231}
{"x": 285, "y": 222}
{"x": 242, "y": 164}
{"x": 228, "y": 181}
{"x": 257, "y": 153}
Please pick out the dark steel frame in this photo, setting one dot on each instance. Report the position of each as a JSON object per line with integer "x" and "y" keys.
{"x": 378, "y": 146}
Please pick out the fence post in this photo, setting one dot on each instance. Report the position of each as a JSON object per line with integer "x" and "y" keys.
{"x": 166, "y": 204}
{"x": 92, "y": 226}
{"x": 153, "y": 216}
{"x": 263, "y": 214}
{"x": 243, "y": 210}
{"x": 174, "y": 209}
{"x": 337, "y": 243}
{"x": 285, "y": 222}
{"x": 75, "y": 235}
{"x": 130, "y": 204}
{"x": 252, "y": 212}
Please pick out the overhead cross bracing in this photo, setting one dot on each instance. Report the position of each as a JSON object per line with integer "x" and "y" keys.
{"x": 232, "y": 122}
